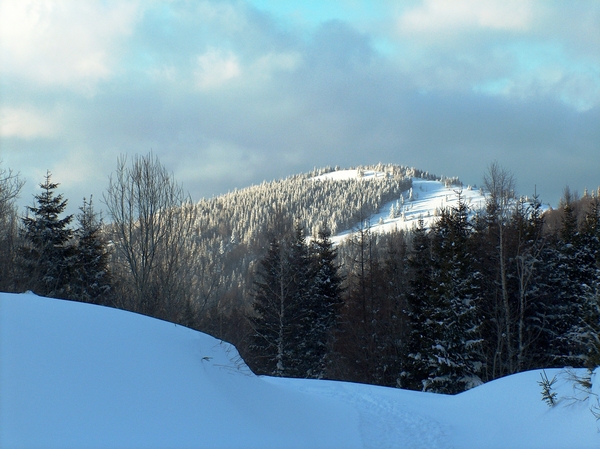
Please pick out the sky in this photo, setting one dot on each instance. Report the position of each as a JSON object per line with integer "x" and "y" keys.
{"x": 228, "y": 93}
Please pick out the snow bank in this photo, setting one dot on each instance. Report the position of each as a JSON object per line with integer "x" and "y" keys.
{"x": 75, "y": 375}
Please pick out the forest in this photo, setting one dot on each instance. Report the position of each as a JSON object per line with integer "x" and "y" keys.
{"x": 478, "y": 295}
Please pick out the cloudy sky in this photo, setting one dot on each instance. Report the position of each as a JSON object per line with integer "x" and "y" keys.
{"x": 229, "y": 93}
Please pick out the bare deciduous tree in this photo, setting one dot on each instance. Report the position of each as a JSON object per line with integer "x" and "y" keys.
{"x": 10, "y": 187}
{"x": 500, "y": 186}
{"x": 153, "y": 223}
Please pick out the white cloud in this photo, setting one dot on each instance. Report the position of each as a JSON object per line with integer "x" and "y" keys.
{"x": 215, "y": 68}
{"x": 442, "y": 17}
{"x": 69, "y": 43}
{"x": 27, "y": 123}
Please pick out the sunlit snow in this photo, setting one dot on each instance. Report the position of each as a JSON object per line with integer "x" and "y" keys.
{"x": 75, "y": 375}
{"x": 423, "y": 201}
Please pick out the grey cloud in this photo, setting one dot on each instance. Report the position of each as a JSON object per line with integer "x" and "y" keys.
{"x": 343, "y": 104}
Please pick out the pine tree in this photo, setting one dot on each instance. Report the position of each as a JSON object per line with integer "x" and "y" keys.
{"x": 91, "y": 281}
{"x": 274, "y": 336}
{"x": 454, "y": 361}
{"x": 47, "y": 257}
{"x": 325, "y": 300}
{"x": 572, "y": 311}
{"x": 304, "y": 353}
{"x": 393, "y": 327}
{"x": 420, "y": 265}
{"x": 590, "y": 239}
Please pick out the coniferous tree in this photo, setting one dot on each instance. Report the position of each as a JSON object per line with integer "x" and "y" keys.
{"x": 47, "y": 257}
{"x": 455, "y": 361}
{"x": 590, "y": 242}
{"x": 304, "y": 355}
{"x": 357, "y": 341}
{"x": 273, "y": 338}
{"x": 325, "y": 300}
{"x": 393, "y": 323}
{"x": 419, "y": 312}
{"x": 573, "y": 320}
{"x": 295, "y": 300}
{"x": 91, "y": 280}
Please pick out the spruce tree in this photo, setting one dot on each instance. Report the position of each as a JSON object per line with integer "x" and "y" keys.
{"x": 572, "y": 311}
{"x": 304, "y": 354}
{"x": 47, "y": 257}
{"x": 91, "y": 282}
{"x": 454, "y": 362}
{"x": 419, "y": 310}
{"x": 590, "y": 240}
{"x": 325, "y": 300}
{"x": 273, "y": 336}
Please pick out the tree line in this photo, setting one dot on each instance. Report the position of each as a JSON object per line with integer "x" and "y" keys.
{"x": 479, "y": 295}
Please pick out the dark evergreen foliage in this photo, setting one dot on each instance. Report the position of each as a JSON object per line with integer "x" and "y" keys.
{"x": 47, "y": 256}
{"x": 419, "y": 310}
{"x": 295, "y": 300}
{"x": 454, "y": 357}
{"x": 325, "y": 301}
{"x": 91, "y": 279}
{"x": 274, "y": 320}
{"x": 479, "y": 295}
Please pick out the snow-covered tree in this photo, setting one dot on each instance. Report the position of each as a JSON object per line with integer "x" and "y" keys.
{"x": 454, "y": 360}
{"x": 419, "y": 310}
{"x": 325, "y": 300}
{"x": 47, "y": 257}
{"x": 91, "y": 279}
{"x": 274, "y": 318}
{"x": 573, "y": 312}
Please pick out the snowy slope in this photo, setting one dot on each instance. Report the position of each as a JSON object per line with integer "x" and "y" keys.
{"x": 425, "y": 199}
{"x": 75, "y": 375}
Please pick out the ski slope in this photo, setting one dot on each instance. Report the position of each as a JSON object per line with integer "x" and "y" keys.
{"x": 424, "y": 201}
{"x": 76, "y": 375}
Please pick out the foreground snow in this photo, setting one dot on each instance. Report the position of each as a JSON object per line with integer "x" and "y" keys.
{"x": 77, "y": 375}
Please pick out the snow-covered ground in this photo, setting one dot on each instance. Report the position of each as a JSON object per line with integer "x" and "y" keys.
{"x": 423, "y": 201}
{"x": 75, "y": 375}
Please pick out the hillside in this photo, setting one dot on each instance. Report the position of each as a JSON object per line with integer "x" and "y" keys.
{"x": 234, "y": 228}
{"x": 336, "y": 198}
{"x": 423, "y": 200}
{"x": 77, "y": 375}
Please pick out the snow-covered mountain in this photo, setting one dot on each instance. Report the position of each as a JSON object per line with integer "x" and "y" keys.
{"x": 423, "y": 200}
{"x": 76, "y": 375}
{"x": 235, "y": 227}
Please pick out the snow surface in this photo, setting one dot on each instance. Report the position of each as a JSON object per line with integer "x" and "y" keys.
{"x": 427, "y": 197}
{"x": 342, "y": 175}
{"x": 75, "y": 375}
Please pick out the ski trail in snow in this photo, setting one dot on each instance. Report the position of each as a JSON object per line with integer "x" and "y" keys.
{"x": 406, "y": 428}
{"x": 384, "y": 421}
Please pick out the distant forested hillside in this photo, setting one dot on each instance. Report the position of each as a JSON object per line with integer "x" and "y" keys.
{"x": 475, "y": 295}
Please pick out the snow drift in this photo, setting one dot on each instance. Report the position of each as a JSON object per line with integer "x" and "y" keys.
{"x": 76, "y": 375}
